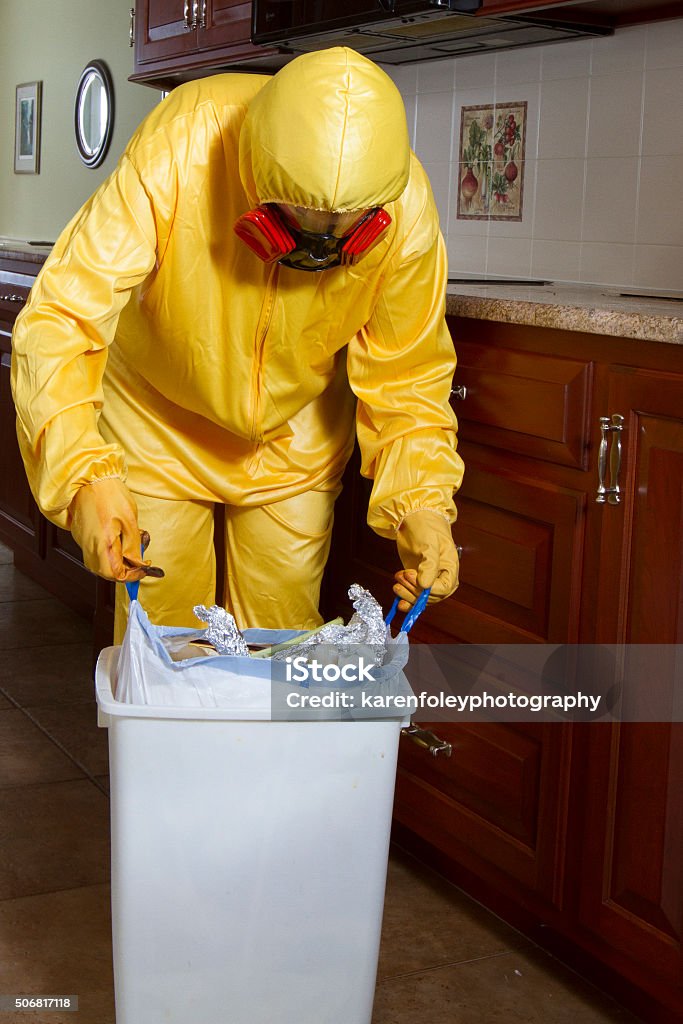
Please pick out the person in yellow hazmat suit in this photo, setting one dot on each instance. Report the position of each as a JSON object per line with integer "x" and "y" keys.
{"x": 263, "y": 268}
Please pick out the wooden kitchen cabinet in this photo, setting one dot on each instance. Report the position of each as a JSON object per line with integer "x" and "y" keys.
{"x": 632, "y": 861}
{"x": 614, "y": 13}
{"x": 176, "y": 40}
{"x": 42, "y": 551}
{"x": 18, "y": 513}
{"x": 573, "y": 832}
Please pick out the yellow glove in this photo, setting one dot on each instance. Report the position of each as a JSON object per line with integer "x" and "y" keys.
{"x": 103, "y": 519}
{"x": 427, "y": 551}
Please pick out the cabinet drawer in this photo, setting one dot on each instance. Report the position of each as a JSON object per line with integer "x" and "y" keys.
{"x": 525, "y": 402}
{"x": 14, "y": 289}
{"x": 499, "y": 801}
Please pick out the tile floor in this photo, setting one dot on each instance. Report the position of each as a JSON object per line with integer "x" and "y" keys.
{"x": 444, "y": 958}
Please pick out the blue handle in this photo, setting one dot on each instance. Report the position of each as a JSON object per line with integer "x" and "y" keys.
{"x": 134, "y": 587}
{"x": 414, "y": 613}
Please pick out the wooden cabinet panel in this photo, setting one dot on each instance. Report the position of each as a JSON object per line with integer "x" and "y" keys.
{"x": 63, "y": 556}
{"x": 43, "y": 552}
{"x": 225, "y": 24}
{"x": 533, "y": 404}
{"x": 641, "y": 556}
{"x": 163, "y": 29}
{"x": 632, "y": 879}
{"x": 609, "y": 12}
{"x": 632, "y": 896}
{"x": 177, "y": 40}
{"x": 498, "y": 804}
{"x": 521, "y": 559}
{"x": 18, "y": 513}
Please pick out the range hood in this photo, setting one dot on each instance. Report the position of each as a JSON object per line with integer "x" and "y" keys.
{"x": 406, "y": 31}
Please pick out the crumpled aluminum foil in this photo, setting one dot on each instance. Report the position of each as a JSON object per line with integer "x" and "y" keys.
{"x": 222, "y": 630}
{"x": 366, "y": 627}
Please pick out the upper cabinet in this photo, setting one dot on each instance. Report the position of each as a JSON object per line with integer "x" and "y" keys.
{"x": 614, "y": 12}
{"x": 176, "y": 40}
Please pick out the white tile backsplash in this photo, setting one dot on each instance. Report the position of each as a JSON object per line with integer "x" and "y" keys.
{"x": 603, "y": 263}
{"x": 474, "y": 72}
{"x": 609, "y": 204}
{"x": 659, "y": 266}
{"x": 514, "y": 66}
{"x": 566, "y": 60}
{"x": 432, "y": 140}
{"x": 661, "y": 109}
{"x": 508, "y": 255}
{"x": 615, "y": 121}
{"x": 660, "y": 219}
{"x": 624, "y": 51}
{"x": 556, "y": 261}
{"x": 563, "y": 118}
{"x": 602, "y": 203}
{"x": 664, "y": 44}
{"x": 559, "y": 200}
{"x": 436, "y": 76}
{"x": 467, "y": 253}
{"x": 440, "y": 179}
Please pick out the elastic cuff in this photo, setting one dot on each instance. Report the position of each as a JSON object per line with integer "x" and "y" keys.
{"x": 106, "y": 476}
{"x": 423, "y": 508}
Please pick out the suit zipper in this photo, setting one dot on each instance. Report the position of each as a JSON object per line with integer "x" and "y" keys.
{"x": 262, "y": 333}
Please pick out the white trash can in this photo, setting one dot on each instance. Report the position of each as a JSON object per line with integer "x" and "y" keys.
{"x": 248, "y": 862}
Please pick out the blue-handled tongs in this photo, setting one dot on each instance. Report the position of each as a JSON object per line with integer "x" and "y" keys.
{"x": 412, "y": 615}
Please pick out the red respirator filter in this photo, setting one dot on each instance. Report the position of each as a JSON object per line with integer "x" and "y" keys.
{"x": 265, "y": 233}
{"x": 364, "y": 236}
{"x": 268, "y": 234}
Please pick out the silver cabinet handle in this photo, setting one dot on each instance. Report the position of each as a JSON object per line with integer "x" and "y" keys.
{"x": 131, "y": 28}
{"x": 609, "y": 425}
{"x": 11, "y": 298}
{"x": 202, "y": 14}
{"x": 427, "y": 740}
{"x": 195, "y": 11}
{"x": 459, "y": 392}
{"x": 187, "y": 17}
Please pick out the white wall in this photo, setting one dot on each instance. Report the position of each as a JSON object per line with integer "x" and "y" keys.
{"x": 603, "y": 192}
{"x": 52, "y": 41}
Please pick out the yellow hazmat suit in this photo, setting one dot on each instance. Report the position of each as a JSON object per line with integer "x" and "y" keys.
{"x": 157, "y": 348}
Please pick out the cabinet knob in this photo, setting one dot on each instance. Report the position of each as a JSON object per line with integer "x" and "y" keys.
{"x": 131, "y": 28}
{"x": 429, "y": 741}
{"x": 459, "y": 392}
{"x": 613, "y": 425}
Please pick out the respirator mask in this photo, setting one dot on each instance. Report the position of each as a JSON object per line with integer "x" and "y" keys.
{"x": 285, "y": 235}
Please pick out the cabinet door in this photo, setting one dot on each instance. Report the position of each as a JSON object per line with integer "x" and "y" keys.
{"x": 638, "y": 581}
{"x": 498, "y": 807}
{"x": 18, "y": 513}
{"x": 165, "y": 28}
{"x": 633, "y": 862}
{"x": 224, "y": 23}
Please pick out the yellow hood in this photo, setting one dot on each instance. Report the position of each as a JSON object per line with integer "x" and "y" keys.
{"x": 327, "y": 132}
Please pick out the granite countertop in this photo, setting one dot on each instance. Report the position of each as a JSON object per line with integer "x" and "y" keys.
{"x": 595, "y": 310}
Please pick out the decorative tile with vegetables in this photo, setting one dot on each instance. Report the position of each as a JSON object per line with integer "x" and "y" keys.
{"x": 491, "y": 161}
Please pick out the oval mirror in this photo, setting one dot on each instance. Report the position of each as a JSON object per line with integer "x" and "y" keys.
{"x": 94, "y": 113}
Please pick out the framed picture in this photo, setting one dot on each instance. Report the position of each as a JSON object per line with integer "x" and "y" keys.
{"x": 27, "y": 128}
{"x": 491, "y": 161}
